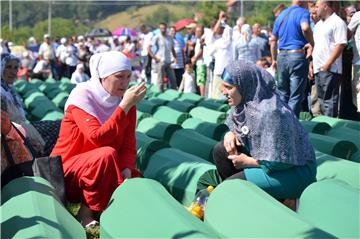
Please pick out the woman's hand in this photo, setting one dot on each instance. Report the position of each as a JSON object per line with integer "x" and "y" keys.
{"x": 5, "y": 123}
{"x": 242, "y": 161}
{"x": 132, "y": 96}
{"x": 126, "y": 173}
{"x": 230, "y": 143}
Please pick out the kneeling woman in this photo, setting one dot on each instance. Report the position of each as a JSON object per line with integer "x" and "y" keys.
{"x": 97, "y": 135}
{"x": 266, "y": 143}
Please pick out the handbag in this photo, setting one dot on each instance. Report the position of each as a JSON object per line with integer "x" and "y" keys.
{"x": 49, "y": 168}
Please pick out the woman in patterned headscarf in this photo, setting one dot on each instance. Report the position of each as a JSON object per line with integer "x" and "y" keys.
{"x": 266, "y": 143}
{"x": 11, "y": 101}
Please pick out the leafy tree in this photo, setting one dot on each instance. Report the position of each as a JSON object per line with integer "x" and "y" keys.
{"x": 210, "y": 10}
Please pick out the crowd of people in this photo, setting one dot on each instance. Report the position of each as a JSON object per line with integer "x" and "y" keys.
{"x": 263, "y": 76}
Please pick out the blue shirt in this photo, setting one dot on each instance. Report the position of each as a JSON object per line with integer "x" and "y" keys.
{"x": 290, "y": 34}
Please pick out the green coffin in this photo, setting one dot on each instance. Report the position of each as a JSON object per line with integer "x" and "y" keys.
{"x": 191, "y": 98}
{"x": 192, "y": 142}
{"x": 316, "y": 127}
{"x": 142, "y": 208}
{"x": 211, "y": 130}
{"x": 60, "y": 99}
{"x": 208, "y": 115}
{"x": 239, "y": 209}
{"x": 182, "y": 106}
{"x": 210, "y": 104}
{"x": 352, "y": 135}
{"x": 333, "y": 146}
{"x": 157, "y": 129}
{"x": 42, "y": 109}
{"x": 332, "y": 206}
{"x": 145, "y": 147}
{"x": 34, "y": 98}
{"x": 335, "y": 122}
{"x": 147, "y": 106}
{"x": 180, "y": 172}
{"x": 336, "y": 168}
{"x": 140, "y": 116}
{"x": 169, "y": 115}
{"x": 29, "y": 210}
{"x": 54, "y": 115}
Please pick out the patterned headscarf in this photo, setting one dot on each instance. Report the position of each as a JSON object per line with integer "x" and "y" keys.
{"x": 8, "y": 94}
{"x": 261, "y": 121}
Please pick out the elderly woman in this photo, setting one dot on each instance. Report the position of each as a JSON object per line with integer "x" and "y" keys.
{"x": 97, "y": 135}
{"x": 12, "y": 102}
{"x": 266, "y": 143}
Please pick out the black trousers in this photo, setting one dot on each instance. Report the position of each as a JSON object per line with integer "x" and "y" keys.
{"x": 224, "y": 165}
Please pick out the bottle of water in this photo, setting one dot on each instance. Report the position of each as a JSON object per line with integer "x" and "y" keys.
{"x": 198, "y": 205}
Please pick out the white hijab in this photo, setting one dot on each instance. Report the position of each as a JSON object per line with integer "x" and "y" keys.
{"x": 91, "y": 96}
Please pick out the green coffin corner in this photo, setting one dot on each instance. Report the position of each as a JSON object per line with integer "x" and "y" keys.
{"x": 336, "y": 122}
{"x": 240, "y": 209}
{"x": 140, "y": 116}
{"x": 29, "y": 210}
{"x": 147, "y": 106}
{"x": 316, "y": 127}
{"x": 145, "y": 147}
{"x": 330, "y": 167}
{"x": 142, "y": 208}
{"x": 333, "y": 146}
{"x": 332, "y": 206}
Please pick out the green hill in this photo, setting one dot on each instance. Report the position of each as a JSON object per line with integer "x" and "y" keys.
{"x": 149, "y": 15}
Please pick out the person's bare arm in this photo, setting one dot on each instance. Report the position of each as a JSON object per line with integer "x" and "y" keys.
{"x": 334, "y": 55}
{"x": 273, "y": 50}
{"x": 307, "y": 33}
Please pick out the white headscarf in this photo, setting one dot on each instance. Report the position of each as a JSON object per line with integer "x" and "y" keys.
{"x": 91, "y": 96}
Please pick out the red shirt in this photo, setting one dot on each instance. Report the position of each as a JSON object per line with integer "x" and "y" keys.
{"x": 81, "y": 132}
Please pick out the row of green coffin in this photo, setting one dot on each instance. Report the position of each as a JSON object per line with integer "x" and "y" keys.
{"x": 175, "y": 116}
{"x": 142, "y": 208}
{"x": 208, "y": 133}
{"x": 183, "y": 173}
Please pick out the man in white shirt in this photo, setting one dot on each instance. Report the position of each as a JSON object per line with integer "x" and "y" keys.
{"x": 330, "y": 40}
{"x": 162, "y": 58}
{"x": 354, "y": 27}
{"x": 221, "y": 49}
{"x": 145, "y": 40}
{"x": 47, "y": 51}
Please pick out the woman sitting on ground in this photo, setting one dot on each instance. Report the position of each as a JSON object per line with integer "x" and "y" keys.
{"x": 97, "y": 135}
{"x": 12, "y": 102}
{"x": 266, "y": 143}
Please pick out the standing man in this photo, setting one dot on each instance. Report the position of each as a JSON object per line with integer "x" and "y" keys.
{"x": 330, "y": 40}
{"x": 165, "y": 47}
{"x": 292, "y": 30}
{"x": 47, "y": 53}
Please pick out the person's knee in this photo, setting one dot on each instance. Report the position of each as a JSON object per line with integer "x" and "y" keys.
{"x": 219, "y": 152}
{"x": 108, "y": 154}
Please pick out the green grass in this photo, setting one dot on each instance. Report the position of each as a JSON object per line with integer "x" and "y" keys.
{"x": 91, "y": 233}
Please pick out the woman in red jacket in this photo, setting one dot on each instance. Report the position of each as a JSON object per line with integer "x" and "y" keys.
{"x": 97, "y": 135}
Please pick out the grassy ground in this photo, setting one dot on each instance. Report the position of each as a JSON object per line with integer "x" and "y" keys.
{"x": 92, "y": 233}
{"x": 134, "y": 18}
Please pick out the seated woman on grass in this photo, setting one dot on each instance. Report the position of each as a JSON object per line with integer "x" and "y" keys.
{"x": 266, "y": 143}
{"x": 97, "y": 135}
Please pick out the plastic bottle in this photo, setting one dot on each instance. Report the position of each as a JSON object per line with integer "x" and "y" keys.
{"x": 198, "y": 205}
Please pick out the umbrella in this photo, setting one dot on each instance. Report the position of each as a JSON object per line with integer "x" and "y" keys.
{"x": 124, "y": 31}
{"x": 179, "y": 25}
{"x": 98, "y": 32}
